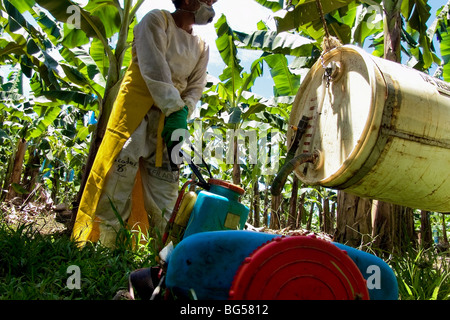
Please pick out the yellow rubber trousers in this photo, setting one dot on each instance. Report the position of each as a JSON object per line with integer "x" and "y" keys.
{"x": 132, "y": 104}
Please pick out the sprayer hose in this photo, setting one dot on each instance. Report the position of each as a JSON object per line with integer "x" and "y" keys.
{"x": 288, "y": 168}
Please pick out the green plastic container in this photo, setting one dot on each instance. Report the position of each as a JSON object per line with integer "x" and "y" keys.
{"x": 218, "y": 209}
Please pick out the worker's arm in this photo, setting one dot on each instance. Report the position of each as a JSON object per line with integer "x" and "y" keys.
{"x": 150, "y": 41}
{"x": 196, "y": 82}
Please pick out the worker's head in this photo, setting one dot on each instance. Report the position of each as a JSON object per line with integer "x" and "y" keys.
{"x": 202, "y": 9}
{"x": 178, "y": 3}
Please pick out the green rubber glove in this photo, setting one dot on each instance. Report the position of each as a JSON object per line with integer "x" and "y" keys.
{"x": 176, "y": 120}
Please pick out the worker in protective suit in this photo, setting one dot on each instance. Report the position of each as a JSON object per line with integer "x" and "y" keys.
{"x": 132, "y": 173}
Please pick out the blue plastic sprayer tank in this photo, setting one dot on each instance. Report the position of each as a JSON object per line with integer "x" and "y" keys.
{"x": 218, "y": 209}
{"x": 207, "y": 263}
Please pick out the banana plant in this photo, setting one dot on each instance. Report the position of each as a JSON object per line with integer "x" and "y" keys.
{"x": 13, "y": 125}
{"x": 54, "y": 137}
{"x": 66, "y": 50}
{"x": 26, "y": 45}
{"x": 234, "y": 98}
{"x": 232, "y": 104}
{"x": 354, "y": 21}
{"x": 303, "y": 15}
{"x": 231, "y": 96}
{"x": 439, "y": 27}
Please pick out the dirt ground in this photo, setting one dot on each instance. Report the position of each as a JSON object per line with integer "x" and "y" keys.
{"x": 44, "y": 217}
{"x": 48, "y": 218}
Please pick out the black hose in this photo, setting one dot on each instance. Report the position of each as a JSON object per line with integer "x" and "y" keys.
{"x": 287, "y": 169}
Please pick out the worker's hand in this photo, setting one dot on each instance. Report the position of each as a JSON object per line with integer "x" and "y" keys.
{"x": 176, "y": 120}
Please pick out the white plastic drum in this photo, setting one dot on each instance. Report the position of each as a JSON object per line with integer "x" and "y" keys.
{"x": 382, "y": 130}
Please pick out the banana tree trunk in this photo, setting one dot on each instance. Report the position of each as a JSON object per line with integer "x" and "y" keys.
{"x": 256, "y": 204}
{"x": 327, "y": 216}
{"x": 426, "y": 238}
{"x": 275, "y": 212}
{"x": 392, "y": 223}
{"x": 266, "y": 202}
{"x": 444, "y": 229}
{"x": 16, "y": 172}
{"x": 293, "y": 212}
{"x": 301, "y": 214}
{"x": 236, "y": 167}
{"x": 392, "y": 29}
{"x": 353, "y": 225}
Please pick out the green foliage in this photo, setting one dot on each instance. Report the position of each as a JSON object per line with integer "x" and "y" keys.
{"x": 423, "y": 274}
{"x": 231, "y": 105}
{"x": 55, "y": 134}
{"x": 66, "y": 79}
{"x": 271, "y": 41}
{"x": 274, "y": 5}
{"x": 34, "y": 266}
{"x": 306, "y": 14}
{"x": 440, "y": 28}
{"x": 287, "y": 83}
{"x": 33, "y": 48}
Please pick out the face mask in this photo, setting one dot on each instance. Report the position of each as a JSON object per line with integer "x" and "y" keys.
{"x": 204, "y": 14}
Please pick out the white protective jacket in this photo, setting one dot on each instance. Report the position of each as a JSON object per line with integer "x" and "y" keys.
{"x": 172, "y": 62}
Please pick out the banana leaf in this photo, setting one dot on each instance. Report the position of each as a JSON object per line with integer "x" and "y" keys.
{"x": 418, "y": 21}
{"x": 272, "y": 41}
{"x": 286, "y": 83}
{"x": 274, "y": 5}
{"x": 91, "y": 25}
{"x": 306, "y": 11}
{"x": 231, "y": 75}
{"x": 47, "y": 114}
{"x": 445, "y": 52}
{"x": 78, "y": 97}
{"x": 109, "y": 13}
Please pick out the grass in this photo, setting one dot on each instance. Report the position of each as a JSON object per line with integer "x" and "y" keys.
{"x": 35, "y": 266}
{"x": 422, "y": 274}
